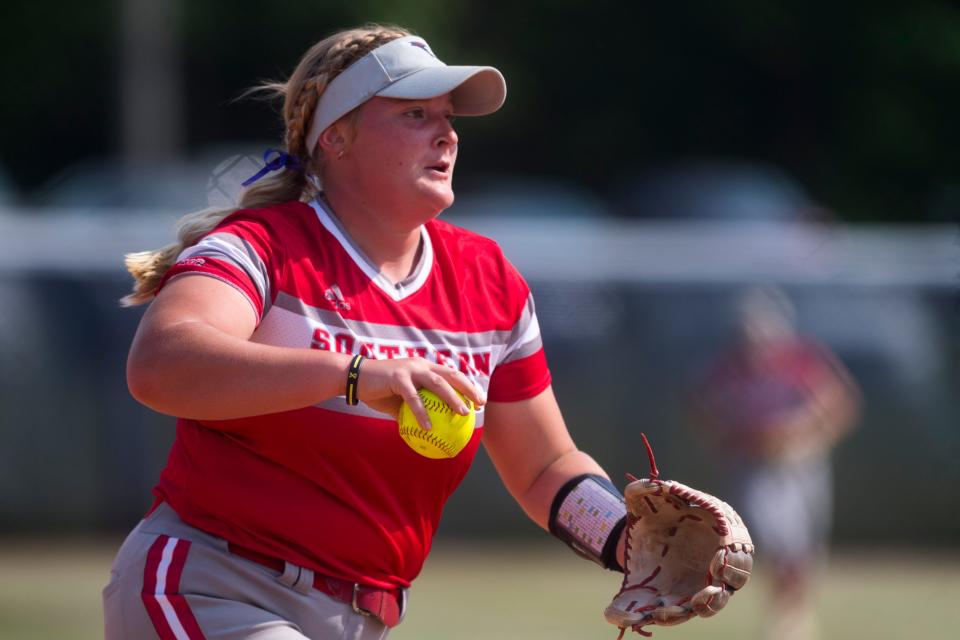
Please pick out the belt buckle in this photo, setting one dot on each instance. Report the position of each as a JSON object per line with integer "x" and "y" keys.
{"x": 353, "y": 603}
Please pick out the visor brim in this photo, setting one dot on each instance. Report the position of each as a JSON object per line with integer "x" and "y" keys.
{"x": 475, "y": 91}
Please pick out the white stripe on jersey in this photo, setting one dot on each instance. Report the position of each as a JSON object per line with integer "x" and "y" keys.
{"x": 285, "y": 328}
{"x": 335, "y": 321}
{"x": 227, "y": 247}
{"x": 340, "y": 406}
{"x": 527, "y": 344}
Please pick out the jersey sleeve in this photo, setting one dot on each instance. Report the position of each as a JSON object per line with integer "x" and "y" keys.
{"x": 242, "y": 251}
{"x": 521, "y": 372}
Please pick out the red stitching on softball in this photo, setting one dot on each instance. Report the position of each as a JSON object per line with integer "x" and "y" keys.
{"x": 422, "y": 434}
{"x": 432, "y": 404}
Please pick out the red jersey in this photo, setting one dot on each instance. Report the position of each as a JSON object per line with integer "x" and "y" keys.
{"x": 332, "y": 487}
{"x": 750, "y": 394}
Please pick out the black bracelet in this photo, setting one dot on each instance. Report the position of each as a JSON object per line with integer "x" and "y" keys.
{"x": 353, "y": 377}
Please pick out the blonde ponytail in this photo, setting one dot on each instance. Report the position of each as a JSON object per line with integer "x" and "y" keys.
{"x": 319, "y": 65}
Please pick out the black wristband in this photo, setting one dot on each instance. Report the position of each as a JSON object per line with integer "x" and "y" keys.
{"x": 607, "y": 504}
{"x": 353, "y": 378}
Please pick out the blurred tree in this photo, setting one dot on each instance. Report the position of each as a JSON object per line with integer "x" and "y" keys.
{"x": 857, "y": 104}
{"x": 151, "y": 104}
{"x": 58, "y": 104}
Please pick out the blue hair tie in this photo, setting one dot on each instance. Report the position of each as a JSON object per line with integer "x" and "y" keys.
{"x": 283, "y": 161}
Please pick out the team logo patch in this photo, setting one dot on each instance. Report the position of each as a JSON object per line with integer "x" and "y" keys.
{"x": 335, "y": 297}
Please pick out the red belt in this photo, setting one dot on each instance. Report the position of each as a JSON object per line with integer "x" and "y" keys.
{"x": 383, "y": 604}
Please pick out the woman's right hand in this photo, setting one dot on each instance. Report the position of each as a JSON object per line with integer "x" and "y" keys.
{"x": 385, "y": 384}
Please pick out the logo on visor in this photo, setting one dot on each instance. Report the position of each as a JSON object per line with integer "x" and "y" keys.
{"x": 422, "y": 45}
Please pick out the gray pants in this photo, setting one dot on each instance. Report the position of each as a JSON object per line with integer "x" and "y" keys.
{"x": 788, "y": 506}
{"x": 174, "y": 582}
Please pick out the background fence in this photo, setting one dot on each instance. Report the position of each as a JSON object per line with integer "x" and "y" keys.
{"x": 631, "y": 313}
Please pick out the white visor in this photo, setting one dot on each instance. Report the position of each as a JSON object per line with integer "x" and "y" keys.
{"x": 406, "y": 68}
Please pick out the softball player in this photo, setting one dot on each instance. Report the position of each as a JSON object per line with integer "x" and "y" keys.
{"x": 773, "y": 405}
{"x": 285, "y": 510}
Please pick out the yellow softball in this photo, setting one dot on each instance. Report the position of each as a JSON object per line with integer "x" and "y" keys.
{"x": 450, "y": 433}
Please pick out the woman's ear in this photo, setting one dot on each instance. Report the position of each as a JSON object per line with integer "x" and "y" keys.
{"x": 334, "y": 141}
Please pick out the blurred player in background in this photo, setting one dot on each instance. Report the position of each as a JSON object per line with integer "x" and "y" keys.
{"x": 775, "y": 404}
{"x": 284, "y": 335}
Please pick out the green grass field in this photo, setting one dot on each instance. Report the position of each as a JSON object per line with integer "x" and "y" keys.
{"x": 51, "y": 591}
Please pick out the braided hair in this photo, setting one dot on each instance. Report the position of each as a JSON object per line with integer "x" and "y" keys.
{"x": 323, "y": 62}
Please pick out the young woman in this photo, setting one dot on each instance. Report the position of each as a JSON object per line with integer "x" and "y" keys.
{"x": 286, "y": 510}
